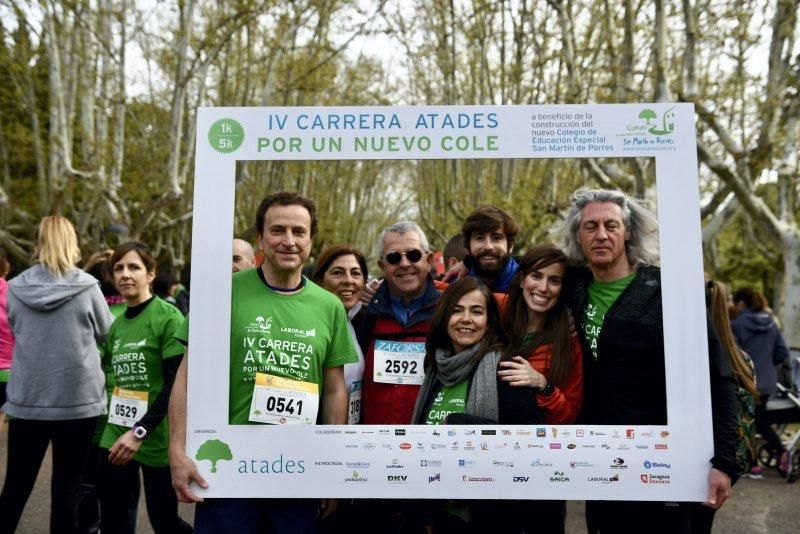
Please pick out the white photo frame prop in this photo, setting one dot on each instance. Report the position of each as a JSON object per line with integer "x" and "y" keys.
{"x": 498, "y": 462}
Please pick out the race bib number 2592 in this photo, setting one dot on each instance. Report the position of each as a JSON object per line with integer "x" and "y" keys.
{"x": 399, "y": 362}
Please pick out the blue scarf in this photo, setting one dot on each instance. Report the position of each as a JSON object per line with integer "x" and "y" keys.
{"x": 504, "y": 280}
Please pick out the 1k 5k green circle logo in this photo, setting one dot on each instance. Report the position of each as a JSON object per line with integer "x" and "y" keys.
{"x": 226, "y": 135}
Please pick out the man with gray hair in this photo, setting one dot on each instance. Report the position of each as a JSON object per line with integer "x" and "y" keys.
{"x": 392, "y": 329}
{"x": 615, "y": 298}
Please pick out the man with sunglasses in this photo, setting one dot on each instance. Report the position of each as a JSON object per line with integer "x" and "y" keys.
{"x": 392, "y": 329}
{"x": 391, "y": 332}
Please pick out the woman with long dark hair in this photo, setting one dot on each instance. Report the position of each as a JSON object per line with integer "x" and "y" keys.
{"x": 55, "y": 390}
{"x": 543, "y": 351}
{"x": 746, "y": 393}
{"x": 462, "y": 350}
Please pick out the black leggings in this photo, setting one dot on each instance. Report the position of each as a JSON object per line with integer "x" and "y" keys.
{"x": 118, "y": 488}
{"x": 765, "y": 429}
{"x": 27, "y": 444}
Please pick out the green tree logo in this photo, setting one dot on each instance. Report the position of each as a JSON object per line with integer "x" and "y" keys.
{"x": 667, "y": 125}
{"x": 226, "y": 135}
{"x": 648, "y": 115}
{"x": 214, "y": 450}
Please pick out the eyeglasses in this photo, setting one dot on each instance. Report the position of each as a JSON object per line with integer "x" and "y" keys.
{"x": 396, "y": 257}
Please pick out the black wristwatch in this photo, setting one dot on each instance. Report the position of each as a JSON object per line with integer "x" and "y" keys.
{"x": 139, "y": 432}
{"x": 548, "y": 390}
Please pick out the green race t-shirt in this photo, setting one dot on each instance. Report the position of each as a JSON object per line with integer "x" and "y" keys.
{"x": 116, "y": 310}
{"x": 135, "y": 349}
{"x": 292, "y": 337}
{"x": 602, "y": 296}
{"x": 449, "y": 399}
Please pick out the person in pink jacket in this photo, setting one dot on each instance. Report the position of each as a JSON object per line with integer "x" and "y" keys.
{"x": 6, "y": 337}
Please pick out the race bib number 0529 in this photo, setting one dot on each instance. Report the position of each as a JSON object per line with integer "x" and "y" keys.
{"x": 282, "y": 401}
{"x": 399, "y": 362}
{"x": 127, "y": 406}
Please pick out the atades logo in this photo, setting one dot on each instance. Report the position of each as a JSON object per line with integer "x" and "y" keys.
{"x": 277, "y": 466}
{"x": 654, "y": 479}
{"x": 559, "y": 476}
{"x": 214, "y": 451}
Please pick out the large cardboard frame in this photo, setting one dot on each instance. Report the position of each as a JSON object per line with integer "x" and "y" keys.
{"x": 516, "y": 462}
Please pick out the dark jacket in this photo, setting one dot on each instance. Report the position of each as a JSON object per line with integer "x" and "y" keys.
{"x": 627, "y": 382}
{"x": 389, "y": 403}
{"x": 759, "y": 336}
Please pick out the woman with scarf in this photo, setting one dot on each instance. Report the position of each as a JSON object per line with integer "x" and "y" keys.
{"x": 463, "y": 349}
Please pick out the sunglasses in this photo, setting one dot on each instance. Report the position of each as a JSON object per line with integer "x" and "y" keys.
{"x": 395, "y": 257}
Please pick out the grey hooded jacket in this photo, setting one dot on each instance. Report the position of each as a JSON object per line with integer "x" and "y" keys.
{"x": 57, "y": 322}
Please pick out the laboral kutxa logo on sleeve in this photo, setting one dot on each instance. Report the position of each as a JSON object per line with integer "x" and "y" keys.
{"x": 226, "y": 135}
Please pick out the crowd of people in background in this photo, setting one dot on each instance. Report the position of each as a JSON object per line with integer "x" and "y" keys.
{"x": 565, "y": 332}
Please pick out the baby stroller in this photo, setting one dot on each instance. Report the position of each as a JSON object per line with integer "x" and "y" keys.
{"x": 783, "y": 410}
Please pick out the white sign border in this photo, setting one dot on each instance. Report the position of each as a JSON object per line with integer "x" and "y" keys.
{"x": 688, "y": 436}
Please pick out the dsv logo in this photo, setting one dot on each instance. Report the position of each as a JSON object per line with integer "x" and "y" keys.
{"x": 521, "y": 479}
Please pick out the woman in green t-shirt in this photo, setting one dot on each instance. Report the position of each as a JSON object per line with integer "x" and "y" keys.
{"x": 462, "y": 351}
{"x": 144, "y": 355}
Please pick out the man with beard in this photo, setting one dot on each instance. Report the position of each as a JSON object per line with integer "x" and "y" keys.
{"x": 489, "y": 234}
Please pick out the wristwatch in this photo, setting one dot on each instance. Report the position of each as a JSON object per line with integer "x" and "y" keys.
{"x": 548, "y": 390}
{"x": 139, "y": 432}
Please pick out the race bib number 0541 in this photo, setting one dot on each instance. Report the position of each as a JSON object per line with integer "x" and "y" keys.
{"x": 399, "y": 362}
{"x": 282, "y": 401}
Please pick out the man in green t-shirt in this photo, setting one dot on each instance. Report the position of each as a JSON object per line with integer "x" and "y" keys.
{"x": 289, "y": 342}
{"x": 615, "y": 298}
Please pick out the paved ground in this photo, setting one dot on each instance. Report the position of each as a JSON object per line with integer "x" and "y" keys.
{"x": 768, "y": 506}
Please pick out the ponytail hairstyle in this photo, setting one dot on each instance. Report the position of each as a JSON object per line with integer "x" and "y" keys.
{"x": 556, "y": 328}
{"x": 717, "y": 301}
